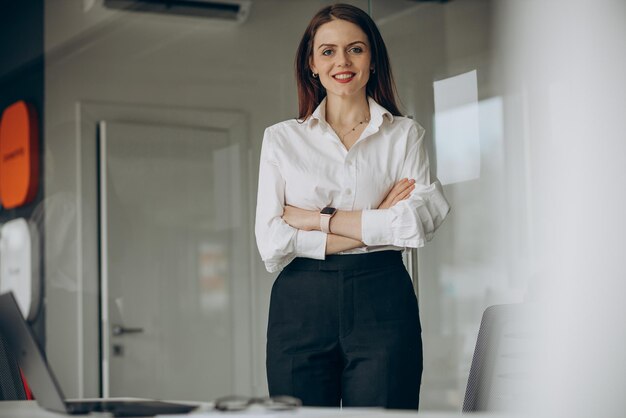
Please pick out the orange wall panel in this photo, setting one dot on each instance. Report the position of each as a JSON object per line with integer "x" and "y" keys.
{"x": 19, "y": 155}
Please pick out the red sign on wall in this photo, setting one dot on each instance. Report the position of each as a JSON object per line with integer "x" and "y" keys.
{"x": 19, "y": 155}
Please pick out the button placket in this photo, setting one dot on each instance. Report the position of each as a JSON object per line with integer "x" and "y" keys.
{"x": 350, "y": 183}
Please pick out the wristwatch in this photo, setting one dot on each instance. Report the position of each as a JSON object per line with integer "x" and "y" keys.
{"x": 325, "y": 215}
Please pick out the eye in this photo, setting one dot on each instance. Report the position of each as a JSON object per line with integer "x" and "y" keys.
{"x": 327, "y": 52}
{"x": 356, "y": 49}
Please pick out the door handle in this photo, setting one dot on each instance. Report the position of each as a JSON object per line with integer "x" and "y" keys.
{"x": 120, "y": 330}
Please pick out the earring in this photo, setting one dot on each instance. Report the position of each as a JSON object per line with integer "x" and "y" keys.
{"x": 373, "y": 70}
{"x": 313, "y": 74}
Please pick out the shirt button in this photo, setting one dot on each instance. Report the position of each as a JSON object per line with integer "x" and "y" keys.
{"x": 348, "y": 192}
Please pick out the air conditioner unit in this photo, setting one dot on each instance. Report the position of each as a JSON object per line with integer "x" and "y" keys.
{"x": 233, "y": 10}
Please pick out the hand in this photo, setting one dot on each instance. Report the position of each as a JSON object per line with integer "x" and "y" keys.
{"x": 306, "y": 220}
{"x": 400, "y": 191}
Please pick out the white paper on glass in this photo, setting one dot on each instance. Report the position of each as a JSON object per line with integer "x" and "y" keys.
{"x": 457, "y": 140}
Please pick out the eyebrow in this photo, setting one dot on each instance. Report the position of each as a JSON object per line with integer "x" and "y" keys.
{"x": 351, "y": 43}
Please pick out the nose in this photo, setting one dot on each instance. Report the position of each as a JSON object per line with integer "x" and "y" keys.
{"x": 343, "y": 59}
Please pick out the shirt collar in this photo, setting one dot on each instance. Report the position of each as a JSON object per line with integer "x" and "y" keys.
{"x": 319, "y": 114}
{"x": 377, "y": 112}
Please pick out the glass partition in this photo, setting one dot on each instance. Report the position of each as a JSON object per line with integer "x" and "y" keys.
{"x": 194, "y": 73}
{"x": 187, "y": 97}
{"x": 444, "y": 59}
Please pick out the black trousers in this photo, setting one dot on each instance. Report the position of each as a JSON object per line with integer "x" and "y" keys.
{"x": 346, "y": 331}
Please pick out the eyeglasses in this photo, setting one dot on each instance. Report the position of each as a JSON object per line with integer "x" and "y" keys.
{"x": 274, "y": 403}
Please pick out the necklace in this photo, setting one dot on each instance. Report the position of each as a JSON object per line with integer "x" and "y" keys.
{"x": 354, "y": 129}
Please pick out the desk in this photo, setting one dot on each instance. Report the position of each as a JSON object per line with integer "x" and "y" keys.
{"x": 30, "y": 409}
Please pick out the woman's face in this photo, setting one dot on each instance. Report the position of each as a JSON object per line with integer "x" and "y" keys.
{"x": 341, "y": 56}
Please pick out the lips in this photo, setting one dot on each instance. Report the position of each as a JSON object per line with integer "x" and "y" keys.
{"x": 344, "y": 77}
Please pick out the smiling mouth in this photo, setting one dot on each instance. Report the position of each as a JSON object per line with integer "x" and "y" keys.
{"x": 344, "y": 76}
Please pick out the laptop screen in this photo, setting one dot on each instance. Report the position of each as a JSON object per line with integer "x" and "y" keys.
{"x": 21, "y": 343}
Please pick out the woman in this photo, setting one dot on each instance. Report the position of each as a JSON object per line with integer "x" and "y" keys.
{"x": 342, "y": 191}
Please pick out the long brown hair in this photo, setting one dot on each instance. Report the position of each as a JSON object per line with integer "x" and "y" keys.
{"x": 380, "y": 86}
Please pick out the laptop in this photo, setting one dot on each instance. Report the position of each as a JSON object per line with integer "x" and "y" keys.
{"x": 41, "y": 380}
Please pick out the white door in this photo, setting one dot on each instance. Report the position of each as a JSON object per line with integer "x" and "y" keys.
{"x": 173, "y": 287}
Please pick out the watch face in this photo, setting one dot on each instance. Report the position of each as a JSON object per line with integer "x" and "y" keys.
{"x": 328, "y": 211}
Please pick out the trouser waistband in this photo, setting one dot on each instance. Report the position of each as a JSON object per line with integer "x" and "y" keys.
{"x": 347, "y": 262}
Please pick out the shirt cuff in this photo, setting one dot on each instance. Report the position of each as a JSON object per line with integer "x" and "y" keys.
{"x": 274, "y": 267}
{"x": 311, "y": 244}
{"x": 376, "y": 226}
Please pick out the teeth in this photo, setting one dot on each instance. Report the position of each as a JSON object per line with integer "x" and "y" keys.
{"x": 344, "y": 76}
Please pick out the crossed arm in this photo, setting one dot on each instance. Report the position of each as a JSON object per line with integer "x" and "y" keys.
{"x": 345, "y": 226}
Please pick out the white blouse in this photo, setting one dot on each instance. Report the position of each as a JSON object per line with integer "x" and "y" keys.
{"x": 305, "y": 164}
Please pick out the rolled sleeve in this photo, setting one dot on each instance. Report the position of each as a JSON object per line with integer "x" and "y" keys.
{"x": 311, "y": 244}
{"x": 413, "y": 221}
{"x": 375, "y": 228}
